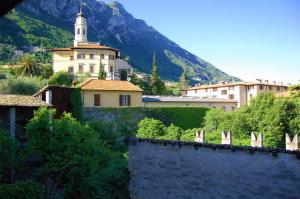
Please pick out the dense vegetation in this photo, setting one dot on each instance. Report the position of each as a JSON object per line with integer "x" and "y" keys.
{"x": 77, "y": 161}
{"x": 267, "y": 114}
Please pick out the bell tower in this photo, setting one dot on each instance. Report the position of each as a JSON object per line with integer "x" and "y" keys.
{"x": 80, "y": 28}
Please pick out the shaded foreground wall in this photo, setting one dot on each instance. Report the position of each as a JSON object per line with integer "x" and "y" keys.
{"x": 178, "y": 170}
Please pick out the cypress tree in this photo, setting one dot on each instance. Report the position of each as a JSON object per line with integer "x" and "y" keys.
{"x": 101, "y": 74}
{"x": 156, "y": 84}
{"x": 183, "y": 80}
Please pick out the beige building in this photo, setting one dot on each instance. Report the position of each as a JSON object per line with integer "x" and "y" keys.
{"x": 87, "y": 57}
{"x": 114, "y": 93}
{"x": 242, "y": 92}
{"x": 185, "y": 101}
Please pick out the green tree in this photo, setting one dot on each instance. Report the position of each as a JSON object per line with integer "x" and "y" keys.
{"x": 183, "y": 80}
{"x": 150, "y": 128}
{"x": 101, "y": 73}
{"x": 21, "y": 85}
{"x": 29, "y": 66}
{"x": 141, "y": 83}
{"x": 156, "y": 84}
{"x": 172, "y": 132}
{"x": 60, "y": 78}
{"x": 47, "y": 71}
{"x": 7, "y": 156}
{"x": 123, "y": 74}
{"x": 71, "y": 152}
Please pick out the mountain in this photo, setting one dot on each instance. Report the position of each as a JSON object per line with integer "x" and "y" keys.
{"x": 49, "y": 23}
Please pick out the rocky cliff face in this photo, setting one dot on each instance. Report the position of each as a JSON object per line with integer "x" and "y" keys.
{"x": 113, "y": 25}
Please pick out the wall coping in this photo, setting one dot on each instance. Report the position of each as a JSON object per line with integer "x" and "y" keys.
{"x": 196, "y": 146}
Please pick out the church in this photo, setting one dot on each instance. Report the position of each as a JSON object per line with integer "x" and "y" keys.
{"x": 88, "y": 57}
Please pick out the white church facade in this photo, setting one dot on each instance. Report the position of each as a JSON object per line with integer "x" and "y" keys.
{"x": 88, "y": 57}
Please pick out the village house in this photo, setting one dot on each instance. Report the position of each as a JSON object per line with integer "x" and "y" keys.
{"x": 88, "y": 57}
{"x": 242, "y": 92}
{"x": 16, "y": 111}
{"x": 110, "y": 93}
{"x": 188, "y": 101}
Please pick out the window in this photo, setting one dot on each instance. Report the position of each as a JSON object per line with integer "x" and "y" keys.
{"x": 231, "y": 96}
{"x": 231, "y": 88}
{"x": 270, "y": 88}
{"x": 224, "y": 92}
{"x": 215, "y": 89}
{"x": 71, "y": 69}
{"x": 125, "y": 100}
{"x": 83, "y": 32}
{"x": 80, "y": 56}
{"x": 250, "y": 87}
{"x": 195, "y": 91}
{"x": 91, "y": 56}
{"x": 111, "y": 57}
{"x": 102, "y": 56}
{"x": 80, "y": 68}
{"x": 232, "y": 108}
{"x": 78, "y": 31}
{"x": 278, "y": 88}
{"x": 97, "y": 100}
{"x": 92, "y": 68}
{"x": 206, "y": 90}
{"x": 111, "y": 69}
{"x": 261, "y": 87}
{"x": 71, "y": 58}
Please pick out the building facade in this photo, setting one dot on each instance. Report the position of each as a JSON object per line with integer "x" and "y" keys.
{"x": 113, "y": 94}
{"x": 88, "y": 57}
{"x": 242, "y": 92}
{"x": 185, "y": 101}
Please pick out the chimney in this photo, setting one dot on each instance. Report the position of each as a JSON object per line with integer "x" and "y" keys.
{"x": 259, "y": 80}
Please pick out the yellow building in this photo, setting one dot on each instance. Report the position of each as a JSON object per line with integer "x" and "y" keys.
{"x": 110, "y": 93}
{"x": 87, "y": 57}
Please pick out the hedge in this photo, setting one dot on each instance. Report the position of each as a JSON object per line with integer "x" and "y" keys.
{"x": 184, "y": 117}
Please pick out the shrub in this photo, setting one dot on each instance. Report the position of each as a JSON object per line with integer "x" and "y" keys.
{"x": 61, "y": 78}
{"x": 21, "y": 85}
{"x": 150, "y": 128}
{"x": 71, "y": 151}
{"x": 188, "y": 135}
{"x": 172, "y": 133}
{"x": 21, "y": 190}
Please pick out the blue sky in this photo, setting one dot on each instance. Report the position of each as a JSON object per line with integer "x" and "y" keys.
{"x": 246, "y": 38}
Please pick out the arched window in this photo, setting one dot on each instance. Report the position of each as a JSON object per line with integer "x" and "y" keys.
{"x": 78, "y": 31}
{"x": 83, "y": 32}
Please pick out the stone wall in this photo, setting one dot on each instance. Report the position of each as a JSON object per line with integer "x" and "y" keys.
{"x": 168, "y": 169}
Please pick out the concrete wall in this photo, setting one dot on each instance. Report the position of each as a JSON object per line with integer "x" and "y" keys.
{"x": 171, "y": 171}
{"x": 111, "y": 98}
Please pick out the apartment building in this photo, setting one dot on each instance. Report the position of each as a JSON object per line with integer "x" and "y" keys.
{"x": 242, "y": 92}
